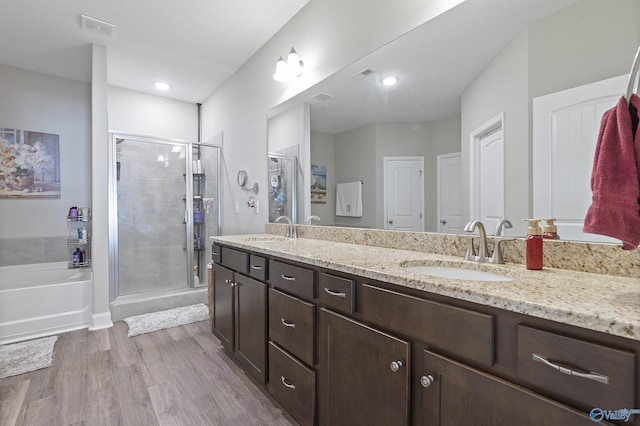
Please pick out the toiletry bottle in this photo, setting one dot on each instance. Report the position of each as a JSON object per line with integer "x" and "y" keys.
{"x": 197, "y": 216}
{"x": 550, "y": 231}
{"x": 76, "y": 256}
{"x": 534, "y": 244}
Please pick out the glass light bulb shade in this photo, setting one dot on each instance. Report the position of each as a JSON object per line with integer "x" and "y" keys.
{"x": 294, "y": 64}
{"x": 281, "y": 73}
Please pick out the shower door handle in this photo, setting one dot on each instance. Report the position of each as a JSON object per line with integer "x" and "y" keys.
{"x": 186, "y": 216}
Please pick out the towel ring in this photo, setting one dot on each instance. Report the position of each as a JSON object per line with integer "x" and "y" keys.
{"x": 634, "y": 76}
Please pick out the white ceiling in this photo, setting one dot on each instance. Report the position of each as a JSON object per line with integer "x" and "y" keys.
{"x": 194, "y": 45}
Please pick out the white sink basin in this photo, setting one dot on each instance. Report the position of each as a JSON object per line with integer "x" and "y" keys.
{"x": 457, "y": 273}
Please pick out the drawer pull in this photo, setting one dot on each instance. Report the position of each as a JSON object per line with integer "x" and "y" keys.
{"x": 287, "y": 277}
{"x": 427, "y": 380}
{"x": 284, "y": 382}
{"x": 335, "y": 293}
{"x": 287, "y": 323}
{"x": 258, "y": 267}
{"x": 564, "y": 370}
{"x": 396, "y": 365}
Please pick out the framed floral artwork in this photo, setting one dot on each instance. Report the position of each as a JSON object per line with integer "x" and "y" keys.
{"x": 29, "y": 164}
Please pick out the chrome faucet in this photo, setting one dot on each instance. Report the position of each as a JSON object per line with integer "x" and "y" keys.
{"x": 310, "y": 218}
{"x": 502, "y": 223}
{"x": 471, "y": 254}
{"x": 291, "y": 230}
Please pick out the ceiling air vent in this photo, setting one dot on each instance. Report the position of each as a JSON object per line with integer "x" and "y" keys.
{"x": 362, "y": 74}
{"x": 322, "y": 97}
{"x": 97, "y": 26}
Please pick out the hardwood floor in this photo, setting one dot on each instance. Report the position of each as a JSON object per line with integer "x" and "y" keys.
{"x": 178, "y": 376}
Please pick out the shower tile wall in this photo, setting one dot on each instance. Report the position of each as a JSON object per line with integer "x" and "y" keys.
{"x": 151, "y": 232}
{"x": 22, "y": 251}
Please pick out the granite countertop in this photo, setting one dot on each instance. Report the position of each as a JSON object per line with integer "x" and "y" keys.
{"x": 605, "y": 303}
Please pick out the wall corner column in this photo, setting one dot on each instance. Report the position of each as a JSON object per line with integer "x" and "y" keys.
{"x": 101, "y": 315}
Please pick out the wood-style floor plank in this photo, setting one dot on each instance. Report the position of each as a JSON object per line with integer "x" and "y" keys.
{"x": 180, "y": 376}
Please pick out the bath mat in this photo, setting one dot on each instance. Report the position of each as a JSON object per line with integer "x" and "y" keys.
{"x": 22, "y": 357}
{"x": 154, "y": 321}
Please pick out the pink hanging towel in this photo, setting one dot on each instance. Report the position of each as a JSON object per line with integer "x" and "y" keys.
{"x": 615, "y": 178}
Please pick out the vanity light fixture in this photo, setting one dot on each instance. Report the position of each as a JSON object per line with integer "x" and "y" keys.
{"x": 161, "y": 85}
{"x": 290, "y": 68}
{"x": 390, "y": 81}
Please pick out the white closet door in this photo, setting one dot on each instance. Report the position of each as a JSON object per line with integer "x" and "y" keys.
{"x": 565, "y": 131}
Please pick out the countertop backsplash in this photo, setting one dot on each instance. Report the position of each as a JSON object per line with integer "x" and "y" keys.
{"x": 598, "y": 258}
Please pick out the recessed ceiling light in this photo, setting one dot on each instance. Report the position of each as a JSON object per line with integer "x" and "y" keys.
{"x": 161, "y": 85}
{"x": 390, "y": 81}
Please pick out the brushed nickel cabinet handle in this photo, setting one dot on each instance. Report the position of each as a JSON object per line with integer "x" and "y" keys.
{"x": 396, "y": 365}
{"x": 427, "y": 380}
{"x": 335, "y": 293}
{"x": 287, "y": 323}
{"x": 258, "y": 267}
{"x": 284, "y": 382}
{"x": 287, "y": 277}
{"x": 569, "y": 372}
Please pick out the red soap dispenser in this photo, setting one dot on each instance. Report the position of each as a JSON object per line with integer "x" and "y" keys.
{"x": 534, "y": 244}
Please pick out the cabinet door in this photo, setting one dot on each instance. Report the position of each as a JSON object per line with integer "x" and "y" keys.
{"x": 460, "y": 395}
{"x": 364, "y": 374}
{"x": 223, "y": 305}
{"x": 251, "y": 325}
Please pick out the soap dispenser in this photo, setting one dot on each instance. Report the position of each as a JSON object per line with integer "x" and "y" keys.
{"x": 550, "y": 231}
{"x": 534, "y": 244}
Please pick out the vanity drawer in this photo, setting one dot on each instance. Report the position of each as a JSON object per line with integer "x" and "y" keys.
{"x": 337, "y": 293}
{"x": 591, "y": 374}
{"x": 455, "y": 330}
{"x": 216, "y": 250}
{"x": 292, "y": 384}
{"x": 291, "y": 324}
{"x": 235, "y": 259}
{"x": 258, "y": 267}
{"x": 292, "y": 279}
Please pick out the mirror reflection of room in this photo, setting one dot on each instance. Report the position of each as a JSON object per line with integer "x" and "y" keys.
{"x": 450, "y": 92}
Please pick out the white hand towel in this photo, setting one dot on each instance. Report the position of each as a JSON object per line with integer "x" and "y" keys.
{"x": 349, "y": 199}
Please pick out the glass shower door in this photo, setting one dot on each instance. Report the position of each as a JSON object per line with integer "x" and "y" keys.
{"x": 152, "y": 188}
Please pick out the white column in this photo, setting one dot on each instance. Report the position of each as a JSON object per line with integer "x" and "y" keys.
{"x": 101, "y": 315}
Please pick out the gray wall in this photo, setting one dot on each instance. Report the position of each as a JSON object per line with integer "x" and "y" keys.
{"x": 359, "y": 155}
{"x": 31, "y": 230}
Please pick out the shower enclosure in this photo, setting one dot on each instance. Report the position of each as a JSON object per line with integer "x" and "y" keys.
{"x": 282, "y": 186}
{"x": 165, "y": 205}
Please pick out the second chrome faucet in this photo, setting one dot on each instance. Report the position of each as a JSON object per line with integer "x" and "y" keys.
{"x": 483, "y": 252}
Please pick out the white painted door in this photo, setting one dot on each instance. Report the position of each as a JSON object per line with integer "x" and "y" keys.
{"x": 450, "y": 193}
{"x": 487, "y": 173}
{"x": 565, "y": 130}
{"x": 403, "y": 193}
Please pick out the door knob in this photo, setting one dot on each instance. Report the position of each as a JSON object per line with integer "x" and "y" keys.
{"x": 395, "y": 366}
{"x": 442, "y": 221}
{"x": 390, "y": 221}
{"x": 427, "y": 380}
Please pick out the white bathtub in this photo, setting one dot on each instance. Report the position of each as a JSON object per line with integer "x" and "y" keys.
{"x": 43, "y": 299}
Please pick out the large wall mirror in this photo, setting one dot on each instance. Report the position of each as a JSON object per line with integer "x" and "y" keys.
{"x": 467, "y": 78}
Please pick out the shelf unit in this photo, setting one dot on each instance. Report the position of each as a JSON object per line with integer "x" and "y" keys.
{"x": 76, "y": 243}
{"x": 199, "y": 229}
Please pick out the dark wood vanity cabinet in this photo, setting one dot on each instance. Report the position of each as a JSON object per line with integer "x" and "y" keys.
{"x": 336, "y": 349}
{"x": 240, "y": 314}
{"x": 365, "y": 374}
{"x": 454, "y": 394}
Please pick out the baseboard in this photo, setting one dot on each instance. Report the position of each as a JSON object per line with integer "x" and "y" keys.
{"x": 100, "y": 321}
